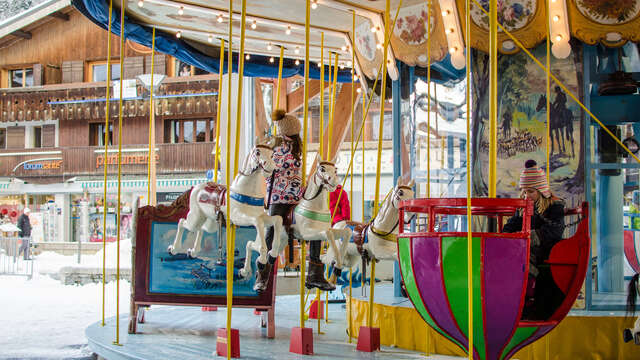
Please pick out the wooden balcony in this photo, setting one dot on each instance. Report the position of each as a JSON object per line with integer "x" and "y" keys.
{"x": 84, "y": 101}
{"x": 47, "y": 164}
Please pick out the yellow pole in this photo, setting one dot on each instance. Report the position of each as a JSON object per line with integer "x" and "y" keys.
{"x": 151, "y": 158}
{"x": 324, "y": 151}
{"x": 493, "y": 97}
{"x": 119, "y": 207}
{"x": 349, "y": 309}
{"x": 218, "y": 110}
{"x": 548, "y": 97}
{"x": 304, "y": 146}
{"x": 321, "y": 126}
{"x": 372, "y": 281}
{"x": 353, "y": 108}
{"x": 364, "y": 117}
{"x": 333, "y": 106}
{"x": 106, "y": 154}
{"x": 429, "y": 98}
{"x": 279, "y": 77}
{"x": 467, "y": 41}
{"x": 229, "y": 227}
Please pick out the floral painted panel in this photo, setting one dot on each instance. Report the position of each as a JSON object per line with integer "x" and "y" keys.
{"x": 512, "y": 14}
{"x": 609, "y": 12}
{"x": 411, "y": 26}
{"x": 365, "y": 41}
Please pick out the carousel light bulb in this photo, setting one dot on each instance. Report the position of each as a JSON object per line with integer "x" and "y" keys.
{"x": 453, "y": 49}
{"x": 181, "y": 10}
{"x": 179, "y": 34}
{"x": 319, "y": 65}
{"x": 558, "y": 37}
{"x": 314, "y": 4}
{"x": 248, "y": 56}
{"x": 343, "y": 48}
{"x": 556, "y": 18}
{"x": 297, "y": 62}
{"x": 349, "y": 63}
{"x": 140, "y": 3}
{"x": 210, "y": 39}
{"x": 271, "y": 59}
{"x": 379, "y": 46}
{"x": 373, "y": 29}
{"x": 220, "y": 19}
{"x": 288, "y": 31}
{"x": 297, "y": 50}
{"x": 445, "y": 12}
{"x": 449, "y": 31}
{"x": 358, "y": 90}
{"x": 341, "y": 66}
{"x": 355, "y": 77}
{"x": 254, "y": 25}
{"x": 269, "y": 46}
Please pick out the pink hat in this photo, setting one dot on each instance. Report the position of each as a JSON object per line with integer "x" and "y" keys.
{"x": 533, "y": 177}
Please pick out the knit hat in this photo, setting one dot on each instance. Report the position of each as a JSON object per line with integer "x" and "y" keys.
{"x": 287, "y": 124}
{"x": 533, "y": 177}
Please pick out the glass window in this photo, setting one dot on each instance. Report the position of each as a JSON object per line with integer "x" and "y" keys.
{"x": 99, "y": 72}
{"x": 3, "y": 138}
{"x": 21, "y": 77}
{"x": 212, "y": 130}
{"x": 28, "y": 77}
{"x": 201, "y": 131}
{"x": 188, "y": 131}
{"x": 16, "y": 78}
{"x": 96, "y": 134}
{"x": 197, "y": 71}
{"x": 182, "y": 68}
{"x": 37, "y": 137}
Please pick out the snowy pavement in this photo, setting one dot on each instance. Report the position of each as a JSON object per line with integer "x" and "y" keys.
{"x": 43, "y": 319}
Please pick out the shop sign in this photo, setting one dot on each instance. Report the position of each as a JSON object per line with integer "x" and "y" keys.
{"x": 127, "y": 159}
{"x": 42, "y": 165}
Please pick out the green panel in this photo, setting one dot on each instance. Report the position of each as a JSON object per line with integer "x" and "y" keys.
{"x": 454, "y": 267}
{"x": 520, "y": 335}
{"x": 404, "y": 248}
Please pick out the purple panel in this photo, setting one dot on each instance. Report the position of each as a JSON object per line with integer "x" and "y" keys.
{"x": 542, "y": 331}
{"x": 427, "y": 270}
{"x": 504, "y": 286}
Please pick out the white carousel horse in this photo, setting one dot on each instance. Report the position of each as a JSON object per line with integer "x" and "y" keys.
{"x": 376, "y": 240}
{"x": 633, "y": 291}
{"x": 247, "y": 206}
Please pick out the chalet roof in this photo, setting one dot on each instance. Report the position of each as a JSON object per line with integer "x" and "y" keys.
{"x": 20, "y": 25}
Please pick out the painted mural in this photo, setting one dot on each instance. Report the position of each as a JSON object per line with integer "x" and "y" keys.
{"x": 609, "y": 11}
{"x": 513, "y": 14}
{"x": 411, "y": 25}
{"x": 204, "y": 274}
{"x": 522, "y": 118}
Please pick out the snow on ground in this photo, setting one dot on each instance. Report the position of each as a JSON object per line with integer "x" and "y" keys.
{"x": 43, "y": 319}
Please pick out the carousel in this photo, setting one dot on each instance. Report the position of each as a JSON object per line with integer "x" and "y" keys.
{"x": 462, "y": 95}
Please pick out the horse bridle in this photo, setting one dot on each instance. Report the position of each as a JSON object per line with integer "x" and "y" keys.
{"x": 258, "y": 162}
{"x": 373, "y": 230}
{"x": 321, "y": 186}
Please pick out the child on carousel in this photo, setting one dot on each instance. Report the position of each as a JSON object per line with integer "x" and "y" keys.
{"x": 547, "y": 226}
{"x": 284, "y": 189}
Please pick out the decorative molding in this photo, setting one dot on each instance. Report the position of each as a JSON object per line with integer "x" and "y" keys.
{"x": 592, "y": 31}
{"x": 416, "y": 54}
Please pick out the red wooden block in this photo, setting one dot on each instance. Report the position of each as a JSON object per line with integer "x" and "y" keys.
{"x": 221, "y": 343}
{"x": 301, "y": 341}
{"x": 315, "y": 312}
{"x": 209, "y": 308}
{"x": 368, "y": 339}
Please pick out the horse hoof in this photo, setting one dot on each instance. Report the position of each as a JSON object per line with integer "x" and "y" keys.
{"x": 171, "y": 250}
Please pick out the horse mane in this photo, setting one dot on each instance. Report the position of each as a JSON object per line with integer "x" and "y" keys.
{"x": 632, "y": 293}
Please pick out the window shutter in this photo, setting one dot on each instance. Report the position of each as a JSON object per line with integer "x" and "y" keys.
{"x": 133, "y": 66}
{"x": 37, "y": 75}
{"x": 15, "y": 137}
{"x": 48, "y": 136}
{"x": 159, "y": 67}
{"x": 72, "y": 71}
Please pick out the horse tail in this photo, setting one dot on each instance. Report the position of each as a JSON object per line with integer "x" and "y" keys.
{"x": 632, "y": 293}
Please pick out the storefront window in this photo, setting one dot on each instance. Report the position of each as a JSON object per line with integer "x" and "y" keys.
{"x": 3, "y": 138}
{"x": 201, "y": 130}
{"x": 96, "y": 134}
{"x": 188, "y": 131}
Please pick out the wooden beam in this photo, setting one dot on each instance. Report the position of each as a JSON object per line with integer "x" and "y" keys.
{"x": 23, "y": 34}
{"x": 341, "y": 121}
{"x": 261, "y": 122}
{"x": 60, "y": 15}
{"x": 295, "y": 100}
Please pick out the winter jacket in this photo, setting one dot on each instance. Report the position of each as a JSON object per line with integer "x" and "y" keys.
{"x": 546, "y": 231}
{"x": 25, "y": 225}
{"x": 344, "y": 209}
{"x": 285, "y": 184}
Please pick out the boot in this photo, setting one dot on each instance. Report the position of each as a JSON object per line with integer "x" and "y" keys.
{"x": 262, "y": 276}
{"x": 315, "y": 278}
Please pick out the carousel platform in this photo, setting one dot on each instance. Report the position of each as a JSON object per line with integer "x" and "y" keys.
{"x": 582, "y": 335}
{"x": 181, "y": 332}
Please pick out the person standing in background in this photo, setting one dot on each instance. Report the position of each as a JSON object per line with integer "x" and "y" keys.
{"x": 25, "y": 232}
{"x": 344, "y": 208}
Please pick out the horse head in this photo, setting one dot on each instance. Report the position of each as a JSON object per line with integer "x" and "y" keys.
{"x": 402, "y": 192}
{"x": 262, "y": 155}
{"x": 326, "y": 175}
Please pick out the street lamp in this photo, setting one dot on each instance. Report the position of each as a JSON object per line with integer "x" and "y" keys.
{"x": 152, "y": 83}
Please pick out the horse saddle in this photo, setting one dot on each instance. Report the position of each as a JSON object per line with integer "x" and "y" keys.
{"x": 358, "y": 234}
{"x": 214, "y": 194}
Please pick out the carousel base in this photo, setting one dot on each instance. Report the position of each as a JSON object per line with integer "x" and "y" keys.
{"x": 582, "y": 335}
{"x": 174, "y": 332}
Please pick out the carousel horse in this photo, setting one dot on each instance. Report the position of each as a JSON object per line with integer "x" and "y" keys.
{"x": 632, "y": 292}
{"x": 207, "y": 203}
{"x": 376, "y": 240}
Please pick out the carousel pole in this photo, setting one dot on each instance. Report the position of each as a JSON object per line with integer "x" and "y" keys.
{"x": 353, "y": 98}
{"x": 493, "y": 95}
{"x": 216, "y": 167}
{"x": 428, "y": 98}
{"x": 280, "y": 63}
{"x": 119, "y": 206}
{"x": 320, "y": 144}
{"x": 548, "y": 104}
{"x": 467, "y": 41}
{"x": 106, "y": 149}
{"x": 151, "y": 163}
